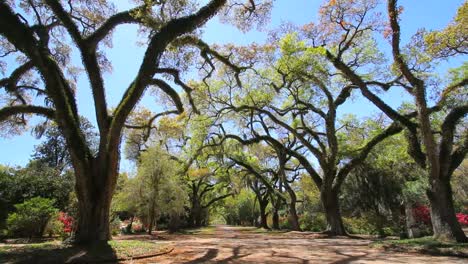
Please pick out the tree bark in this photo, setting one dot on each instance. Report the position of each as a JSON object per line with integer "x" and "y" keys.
{"x": 197, "y": 216}
{"x": 95, "y": 184}
{"x": 331, "y": 206}
{"x": 293, "y": 218}
{"x": 196, "y": 210}
{"x": 444, "y": 222}
{"x": 275, "y": 219}
{"x": 93, "y": 222}
{"x": 151, "y": 218}
{"x": 263, "y": 216}
{"x": 94, "y": 217}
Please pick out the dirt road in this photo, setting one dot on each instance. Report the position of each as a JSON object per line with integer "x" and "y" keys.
{"x": 227, "y": 244}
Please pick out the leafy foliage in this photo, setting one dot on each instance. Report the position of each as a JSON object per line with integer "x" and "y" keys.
{"x": 31, "y": 217}
{"x": 240, "y": 209}
{"x": 156, "y": 191}
{"x": 35, "y": 180}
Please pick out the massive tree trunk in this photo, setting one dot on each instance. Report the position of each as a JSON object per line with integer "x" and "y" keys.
{"x": 331, "y": 207}
{"x": 444, "y": 222}
{"x": 94, "y": 188}
{"x": 93, "y": 220}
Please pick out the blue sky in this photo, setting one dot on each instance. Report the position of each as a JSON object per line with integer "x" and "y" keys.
{"x": 126, "y": 57}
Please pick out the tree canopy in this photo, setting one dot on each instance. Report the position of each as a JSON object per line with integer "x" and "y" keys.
{"x": 247, "y": 132}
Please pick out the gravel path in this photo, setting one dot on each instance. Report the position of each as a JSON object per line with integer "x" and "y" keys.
{"x": 229, "y": 244}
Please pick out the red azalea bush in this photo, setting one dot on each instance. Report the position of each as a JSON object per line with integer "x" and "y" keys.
{"x": 422, "y": 214}
{"x": 137, "y": 228}
{"x": 67, "y": 222}
{"x": 462, "y": 219}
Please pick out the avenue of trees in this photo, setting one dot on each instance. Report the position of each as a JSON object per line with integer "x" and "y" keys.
{"x": 263, "y": 135}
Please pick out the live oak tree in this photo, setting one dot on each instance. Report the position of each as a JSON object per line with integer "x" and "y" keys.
{"x": 444, "y": 154}
{"x": 350, "y": 26}
{"x": 262, "y": 194}
{"x": 292, "y": 94}
{"x": 266, "y": 174}
{"x": 40, "y": 33}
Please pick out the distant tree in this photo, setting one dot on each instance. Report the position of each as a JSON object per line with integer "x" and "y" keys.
{"x": 53, "y": 150}
{"x": 6, "y": 185}
{"x": 158, "y": 188}
{"x": 460, "y": 187}
{"x": 240, "y": 209}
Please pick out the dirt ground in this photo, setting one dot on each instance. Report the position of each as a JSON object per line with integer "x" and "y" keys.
{"x": 227, "y": 244}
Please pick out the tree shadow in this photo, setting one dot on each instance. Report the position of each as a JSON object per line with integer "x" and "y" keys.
{"x": 276, "y": 254}
{"x": 328, "y": 234}
{"x": 349, "y": 258}
{"x": 212, "y": 253}
{"x": 102, "y": 253}
{"x": 235, "y": 255}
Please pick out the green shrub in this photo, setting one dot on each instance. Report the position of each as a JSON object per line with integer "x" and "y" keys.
{"x": 313, "y": 222}
{"x": 370, "y": 224}
{"x": 284, "y": 222}
{"x": 359, "y": 225}
{"x": 115, "y": 226}
{"x": 31, "y": 217}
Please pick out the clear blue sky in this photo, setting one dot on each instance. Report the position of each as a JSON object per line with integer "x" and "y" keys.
{"x": 126, "y": 57}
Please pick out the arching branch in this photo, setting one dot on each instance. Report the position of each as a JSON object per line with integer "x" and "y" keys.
{"x": 393, "y": 129}
{"x": 177, "y": 79}
{"x": 156, "y": 47}
{"x": 8, "y": 111}
{"x": 166, "y": 88}
{"x": 448, "y": 133}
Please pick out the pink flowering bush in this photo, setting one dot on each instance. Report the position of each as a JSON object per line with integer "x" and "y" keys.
{"x": 423, "y": 216}
{"x": 462, "y": 219}
{"x": 67, "y": 222}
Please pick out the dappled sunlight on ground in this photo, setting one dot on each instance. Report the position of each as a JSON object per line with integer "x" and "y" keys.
{"x": 228, "y": 244}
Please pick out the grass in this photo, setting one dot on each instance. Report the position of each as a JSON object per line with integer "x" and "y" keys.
{"x": 256, "y": 230}
{"x": 207, "y": 230}
{"x": 130, "y": 248}
{"x": 56, "y": 252}
{"x": 427, "y": 245}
